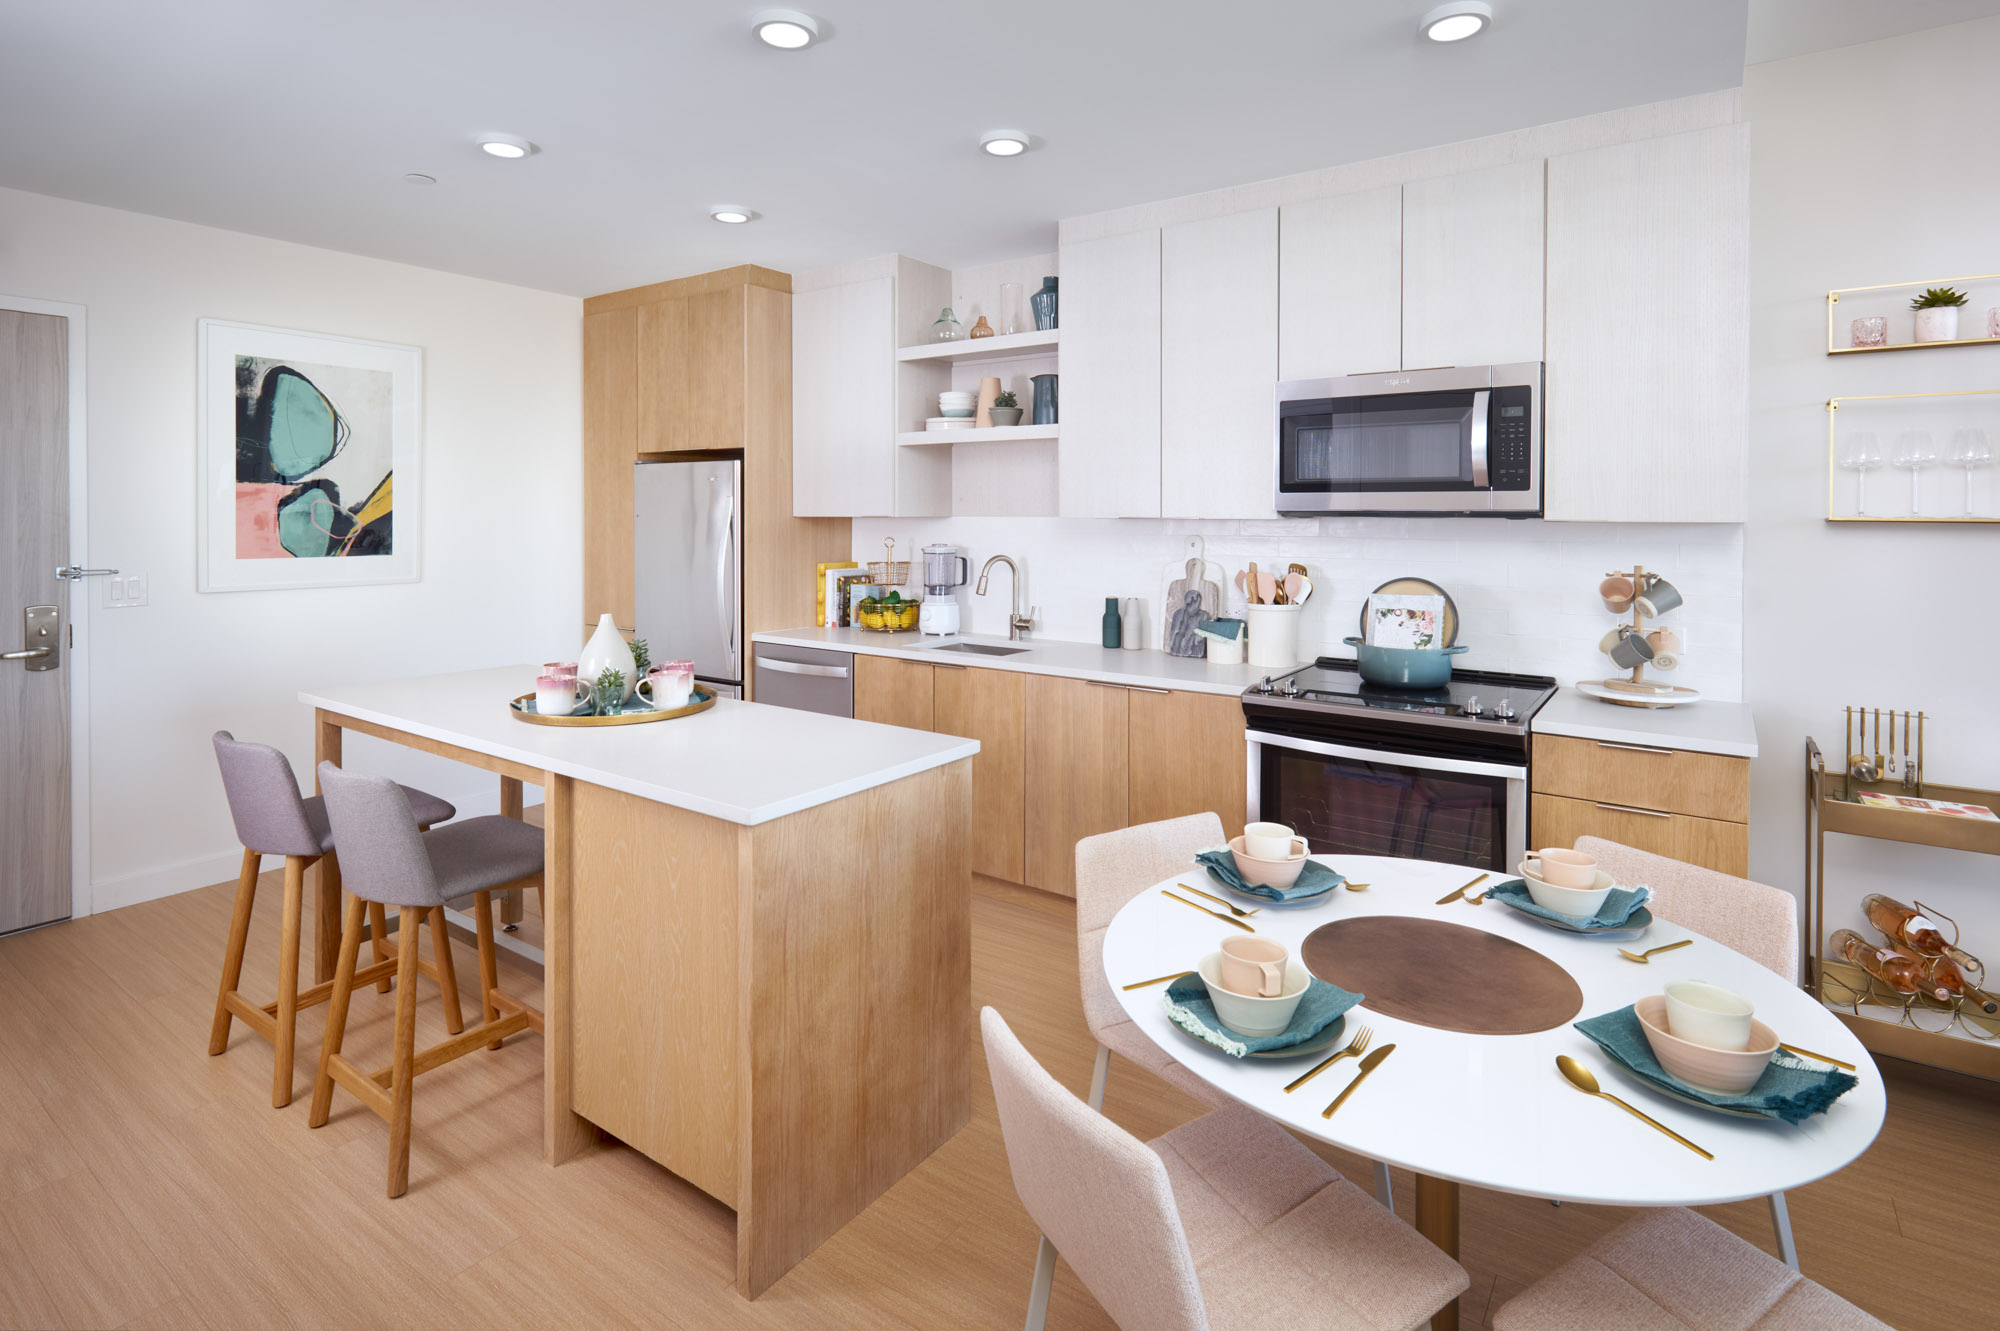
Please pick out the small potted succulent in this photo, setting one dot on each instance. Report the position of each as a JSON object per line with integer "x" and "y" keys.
{"x": 1006, "y": 410}
{"x": 1937, "y": 314}
{"x": 610, "y": 691}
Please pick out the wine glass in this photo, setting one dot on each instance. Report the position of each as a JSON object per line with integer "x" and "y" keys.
{"x": 1862, "y": 454}
{"x": 1970, "y": 450}
{"x": 1915, "y": 451}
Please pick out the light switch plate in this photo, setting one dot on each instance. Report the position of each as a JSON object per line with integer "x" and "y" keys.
{"x": 126, "y": 590}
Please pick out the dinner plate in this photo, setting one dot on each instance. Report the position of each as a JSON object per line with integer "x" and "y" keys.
{"x": 1328, "y": 1036}
{"x": 1647, "y": 1083}
{"x": 1635, "y": 924}
{"x": 1296, "y": 902}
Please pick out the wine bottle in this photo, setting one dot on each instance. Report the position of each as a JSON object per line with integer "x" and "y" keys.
{"x": 1898, "y": 970}
{"x": 1942, "y": 973}
{"x": 1903, "y": 924}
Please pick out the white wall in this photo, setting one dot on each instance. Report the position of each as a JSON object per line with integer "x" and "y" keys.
{"x": 1526, "y": 591}
{"x": 502, "y": 523}
{"x": 1870, "y": 164}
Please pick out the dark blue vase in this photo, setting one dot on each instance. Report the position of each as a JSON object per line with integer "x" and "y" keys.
{"x": 1112, "y": 627}
{"x": 1043, "y": 303}
{"x": 1045, "y": 399}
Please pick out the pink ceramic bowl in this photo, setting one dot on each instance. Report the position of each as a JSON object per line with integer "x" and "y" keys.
{"x": 1266, "y": 873}
{"x": 1724, "y": 1071}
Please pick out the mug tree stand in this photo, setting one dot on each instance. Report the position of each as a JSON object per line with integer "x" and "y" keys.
{"x": 1635, "y": 690}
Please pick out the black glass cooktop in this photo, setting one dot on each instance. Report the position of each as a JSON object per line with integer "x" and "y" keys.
{"x": 1474, "y": 696}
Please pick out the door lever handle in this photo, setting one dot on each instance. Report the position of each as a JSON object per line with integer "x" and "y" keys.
{"x": 71, "y": 572}
{"x": 25, "y": 654}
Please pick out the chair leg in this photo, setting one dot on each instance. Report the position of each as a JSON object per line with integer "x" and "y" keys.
{"x": 1098, "y": 1075}
{"x": 288, "y": 980}
{"x": 336, "y": 1012}
{"x": 1385, "y": 1191}
{"x": 489, "y": 967}
{"x": 232, "y": 955}
{"x": 402, "y": 1057}
{"x": 454, "y": 1016}
{"x": 378, "y": 940}
{"x": 1038, "y": 1293}
{"x": 1781, "y": 1220}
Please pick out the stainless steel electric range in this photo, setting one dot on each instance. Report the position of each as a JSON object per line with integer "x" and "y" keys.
{"x": 1437, "y": 774}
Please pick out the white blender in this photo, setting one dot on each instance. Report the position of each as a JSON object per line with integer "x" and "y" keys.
{"x": 945, "y": 571}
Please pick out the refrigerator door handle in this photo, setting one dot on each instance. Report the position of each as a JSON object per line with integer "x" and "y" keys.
{"x": 726, "y": 565}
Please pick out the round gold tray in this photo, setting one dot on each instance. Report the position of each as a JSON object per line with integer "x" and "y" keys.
{"x": 523, "y": 710}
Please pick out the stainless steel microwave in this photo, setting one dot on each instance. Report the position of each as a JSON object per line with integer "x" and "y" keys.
{"x": 1451, "y": 441}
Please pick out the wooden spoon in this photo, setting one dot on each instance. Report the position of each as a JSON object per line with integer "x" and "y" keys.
{"x": 1256, "y": 583}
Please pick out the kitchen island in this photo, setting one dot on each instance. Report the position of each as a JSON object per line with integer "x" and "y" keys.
{"x": 757, "y": 939}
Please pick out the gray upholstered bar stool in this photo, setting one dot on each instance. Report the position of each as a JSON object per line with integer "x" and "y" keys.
{"x": 273, "y": 819}
{"x": 385, "y": 858}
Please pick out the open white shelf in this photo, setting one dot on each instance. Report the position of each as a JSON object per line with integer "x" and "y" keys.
{"x": 994, "y": 434}
{"x": 986, "y": 348}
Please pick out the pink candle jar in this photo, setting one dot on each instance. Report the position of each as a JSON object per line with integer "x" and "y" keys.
{"x": 668, "y": 684}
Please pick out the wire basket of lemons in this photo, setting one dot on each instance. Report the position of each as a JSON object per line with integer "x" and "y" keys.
{"x": 887, "y": 614}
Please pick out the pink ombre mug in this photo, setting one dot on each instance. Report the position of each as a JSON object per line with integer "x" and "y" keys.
{"x": 667, "y": 684}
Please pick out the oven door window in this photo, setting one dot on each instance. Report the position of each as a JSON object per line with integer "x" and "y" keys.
{"x": 1357, "y": 807}
{"x": 1397, "y": 442}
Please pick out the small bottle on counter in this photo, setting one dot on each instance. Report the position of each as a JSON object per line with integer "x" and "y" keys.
{"x": 1112, "y": 635}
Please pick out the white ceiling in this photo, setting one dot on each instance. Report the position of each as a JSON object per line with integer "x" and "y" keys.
{"x": 298, "y": 119}
{"x": 1780, "y": 29}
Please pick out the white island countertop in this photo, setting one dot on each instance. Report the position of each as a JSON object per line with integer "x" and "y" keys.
{"x": 1147, "y": 669}
{"x": 1703, "y": 727}
{"x": 741, "y": 762}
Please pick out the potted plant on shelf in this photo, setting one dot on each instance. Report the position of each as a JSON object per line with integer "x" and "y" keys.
{"x": 1937, "y": 314}
{"x": 1006, "y": 410}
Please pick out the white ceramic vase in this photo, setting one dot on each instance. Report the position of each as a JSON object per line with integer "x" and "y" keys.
{"x": 1937, "y": 324}
{"x": 607, "y": 650}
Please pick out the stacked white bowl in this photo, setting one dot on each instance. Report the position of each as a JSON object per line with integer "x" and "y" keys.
{"x": 957, "y": 404}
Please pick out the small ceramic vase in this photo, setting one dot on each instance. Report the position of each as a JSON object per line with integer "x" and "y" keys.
{"x": 982, "y": 328}
{"x": 1045, "y": 399}
{"x": 607, "y": 649}
{"x": 1044, "y": 305}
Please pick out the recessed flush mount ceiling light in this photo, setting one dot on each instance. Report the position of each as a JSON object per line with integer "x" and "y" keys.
{"x": 1456, "y": 21}
{"x": 1004, "y": 142}
{"x": 508, "y": 146}
{"x": 786, "y": 29}
{"x": 733, "y": 216}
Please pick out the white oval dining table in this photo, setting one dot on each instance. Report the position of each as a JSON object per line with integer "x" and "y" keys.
{"x": 1493, "y": 1111}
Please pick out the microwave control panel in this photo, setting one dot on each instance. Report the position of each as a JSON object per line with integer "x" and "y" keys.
{"x": 1510, "y": 440}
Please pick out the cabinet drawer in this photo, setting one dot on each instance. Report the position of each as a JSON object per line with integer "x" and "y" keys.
{"x": 1555, "y": 820}
{"x": 1707, "y": 785}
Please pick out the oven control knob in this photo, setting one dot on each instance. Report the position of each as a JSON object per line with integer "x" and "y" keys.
{"x": 1264, "y": 685}
{"x": 1473, "y": 707}
{"x": 1292, "y": 689}
{"x": 1505, "y": 711}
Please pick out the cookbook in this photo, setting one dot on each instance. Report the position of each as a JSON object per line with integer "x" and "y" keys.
{"x": 1916, "y": 805}
{"x": 1404, "y": 621}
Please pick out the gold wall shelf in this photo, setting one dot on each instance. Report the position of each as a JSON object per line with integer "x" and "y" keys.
{"x": 1833, "y": 467}
{"x": 1833, "y": 300}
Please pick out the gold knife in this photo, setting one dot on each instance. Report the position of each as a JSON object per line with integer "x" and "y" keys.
{"x": 1141, "y": 984}
{"x": 1807, "y": 1053}
{"x": 1448, "y": 899}
{"x": 1233, "y": 908}
{"x": 1368, "y": 1065}
{"x": 1226, "y": 919}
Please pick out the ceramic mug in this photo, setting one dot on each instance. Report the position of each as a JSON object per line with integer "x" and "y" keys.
{"x": 1631, "y": 650}
{"x": 1616, "y": 592}
{"x": 1707, "y": 1014}
{"x": 1255, "y": 968}
{"x": 559, "y": 669}
{"x": 667, "y": 685}
{"x": 1659, "y": 597}
{"x": 1268, "y": 841}
{"x": 1566, "y": 868}
{"x": 559, "y": 695}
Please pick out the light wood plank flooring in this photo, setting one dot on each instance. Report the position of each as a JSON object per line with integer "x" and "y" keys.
{"x": 145, "y": 1184}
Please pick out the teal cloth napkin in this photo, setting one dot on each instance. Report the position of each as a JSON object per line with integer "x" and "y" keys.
{"x": 1314, "y": 879}
{"x": 1791, "y": 1088}
{"x": 1617, "y": 908}
{"x": 1188, "y": 1007}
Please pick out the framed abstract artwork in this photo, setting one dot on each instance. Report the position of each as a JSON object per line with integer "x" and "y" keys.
{"x": 311, "y": 470}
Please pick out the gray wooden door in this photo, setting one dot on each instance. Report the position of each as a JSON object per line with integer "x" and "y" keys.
{"x": 34, "y": 541}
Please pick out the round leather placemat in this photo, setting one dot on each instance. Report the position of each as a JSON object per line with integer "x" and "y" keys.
{"x": 1448, "y": 976}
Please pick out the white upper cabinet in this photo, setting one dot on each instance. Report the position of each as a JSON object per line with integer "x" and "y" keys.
{"x": 1219, "y": 365}
{"x": 1109, "y": 455}
{"x": 1472, "y": 267}
{"x": 844, "y": 399}
{"x": 1340, "y": 285}
{"x": 1648, "y": 330}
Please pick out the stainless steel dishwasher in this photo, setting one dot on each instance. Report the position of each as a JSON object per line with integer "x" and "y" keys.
{"x": 811, "y": 679}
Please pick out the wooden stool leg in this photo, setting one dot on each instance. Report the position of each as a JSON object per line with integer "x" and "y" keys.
{"x": 232, "y": 955}
{"x": 336, "y": 1012}
{"x": 489, "y": 969}
{"x": 402, "y": 1058}
{"x": 288, "y": 980}
{"x": 378, "y": 940}
{"x": 454, "y": 1017}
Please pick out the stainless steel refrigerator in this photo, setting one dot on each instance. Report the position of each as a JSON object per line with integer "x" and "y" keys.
{"x": 687, "y": 566}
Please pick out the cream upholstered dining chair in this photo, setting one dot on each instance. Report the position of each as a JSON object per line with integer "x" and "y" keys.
{"x": 1673, "y": 1270}
{"x": 1226, "y": 1221}
{"x": 1760, "y": 922}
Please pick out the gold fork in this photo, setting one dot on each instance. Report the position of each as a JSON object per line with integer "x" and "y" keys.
{"x": 1356, "y": 1047}
{"x": 1651, "y": 952}
{"x": 1233, "y": 908}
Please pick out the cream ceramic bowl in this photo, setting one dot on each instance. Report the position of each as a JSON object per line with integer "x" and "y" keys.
{"x": 1266, "y": 873}
{"x": 1581, "y": 902}
{"x": 1724, "y": 1071}
{"x": 1708, "y": 1015}
{"x": 1247, "y": 1015}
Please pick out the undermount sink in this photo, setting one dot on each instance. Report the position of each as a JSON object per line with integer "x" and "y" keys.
{"x": 981, "y": 649}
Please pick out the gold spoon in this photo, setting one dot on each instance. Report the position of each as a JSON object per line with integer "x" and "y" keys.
{"x": 1357, "y": 887}
{"x": 1579, "y": 1076}
{"x": 1651, "y": 952}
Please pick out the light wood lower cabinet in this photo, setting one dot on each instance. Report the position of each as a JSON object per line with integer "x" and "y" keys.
{"x": 1188, "y": 755}
{"x": 892, "y": 691}
{"x": 1690, "y": 806}
{"x": 1078, "y": 767}
{"x": 991, "y": 707}
{"x": 1709, "y": 842}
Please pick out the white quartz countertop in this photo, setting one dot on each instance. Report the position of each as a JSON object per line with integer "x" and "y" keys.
{"x": 1044, "y": 656}
{"x": 741, "y": 762}
{"x": 1704, "y": 727}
